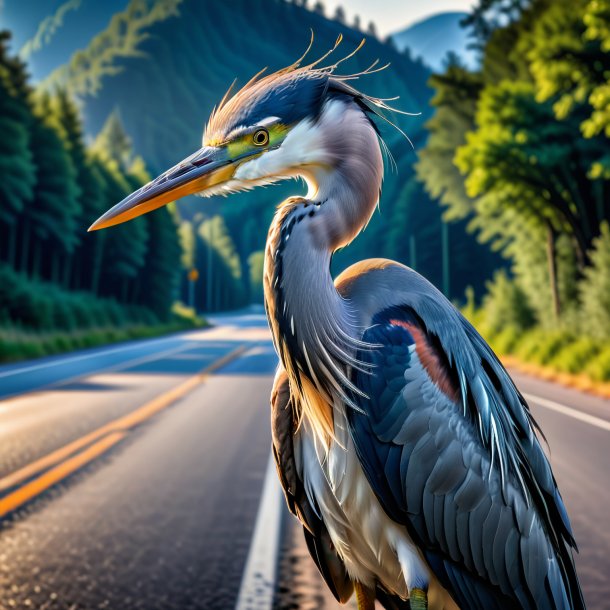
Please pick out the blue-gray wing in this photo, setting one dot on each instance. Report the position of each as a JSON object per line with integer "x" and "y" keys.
{"x": 448, "y": 445}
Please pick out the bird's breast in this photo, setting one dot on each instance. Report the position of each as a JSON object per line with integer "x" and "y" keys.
{"x": 365, "y": 537}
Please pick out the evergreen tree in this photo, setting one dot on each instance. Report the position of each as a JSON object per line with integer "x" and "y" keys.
{"x": 340, "y": 15}
{"x": 51, "y": 219}
{"x": 16, "y": 162}
{"x": 91, "y": 197}
{"x": 126, "y": 245}
{"x": 157, "y": 283}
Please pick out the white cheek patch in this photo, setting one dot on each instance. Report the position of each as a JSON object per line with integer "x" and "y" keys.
{"x": 302, "y": 146}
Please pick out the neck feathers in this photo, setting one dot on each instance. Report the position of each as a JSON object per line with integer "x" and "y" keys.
{"x": 312, "y": 324}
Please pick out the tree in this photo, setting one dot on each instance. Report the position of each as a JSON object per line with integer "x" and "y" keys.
{"x": 595, "y": 287}
{"x": 340, "y": 15}
{"x": 157, "y": 283}
{"x": 125, "y": 245}
{"x": 256, "y": 262}
{"x": 224, "y": 285}
{"x": 52, "y": 216}
{"x": 16, "y": 162}
{"x": 570, "y": 61}
{"x": 371, "y": 29}
{"x": 357, "y": 24}
{"x": 91, "y": 196}
{"x": 456, "y": 95}
{"x": 113, "y": 143}
{"x": 509, "y": 162}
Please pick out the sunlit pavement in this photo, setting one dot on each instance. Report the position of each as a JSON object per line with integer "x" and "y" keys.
{"x": 162, "y": 513}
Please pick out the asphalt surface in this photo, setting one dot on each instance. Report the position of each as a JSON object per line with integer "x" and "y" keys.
{"x": 164, "y": 519}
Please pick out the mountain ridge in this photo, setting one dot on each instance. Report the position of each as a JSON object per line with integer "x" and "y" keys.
{"x": 433, "y": 37}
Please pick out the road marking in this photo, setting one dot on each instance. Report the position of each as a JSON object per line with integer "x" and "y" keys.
{"x": 121, "y": 425}
{"x": 111, "y": 368}
{"x": 569, "y": 411}
{"x": 258, "y": 582}
{"x": 97, "y": 352}
{"x": 61, "y": 471}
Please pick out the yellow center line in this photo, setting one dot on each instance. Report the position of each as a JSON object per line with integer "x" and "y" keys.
{"x": 95, "y": 442}
{"x": 61, "y": 471}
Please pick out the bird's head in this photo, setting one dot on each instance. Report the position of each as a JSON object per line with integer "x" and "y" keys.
{"x": 268, "y": 131}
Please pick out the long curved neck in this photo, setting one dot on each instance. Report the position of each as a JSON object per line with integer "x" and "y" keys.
{"x": 312, "y": 325}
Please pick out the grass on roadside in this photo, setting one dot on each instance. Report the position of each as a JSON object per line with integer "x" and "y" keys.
{"x": 21, "y": 344}
{"x": 558, "y": 354}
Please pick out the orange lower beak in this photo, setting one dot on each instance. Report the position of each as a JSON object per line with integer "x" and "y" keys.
{"x": 207, "y": 168}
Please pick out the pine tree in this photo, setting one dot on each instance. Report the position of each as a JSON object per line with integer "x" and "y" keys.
{"x": 91, "y": 197}
{"x": 51, "y": 219}
{"x": 16, "y": 162}
{"x": 157, "y": 283}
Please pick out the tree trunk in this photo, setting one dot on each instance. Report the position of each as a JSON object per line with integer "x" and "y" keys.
{"x": 67, "y": 272}
{"x": 55, "y": 268}
{"x": 76, "y": 275}
{"x": 12, "y": 245}
{"x": 36, "y": 261}
{"x": 551, "y": 254}
{"x": 25, "y": 246}
{"x": 98, "y": 257}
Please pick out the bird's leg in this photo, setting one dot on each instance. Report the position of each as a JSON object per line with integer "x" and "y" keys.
{"x": 365, "y": 597}
{"x": 418, "y": 599}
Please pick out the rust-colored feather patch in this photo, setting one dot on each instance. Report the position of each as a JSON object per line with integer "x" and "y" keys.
{"x": 430, "y": 359}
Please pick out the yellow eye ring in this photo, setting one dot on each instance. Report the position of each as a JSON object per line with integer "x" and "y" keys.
{"x": 260, "y": 137}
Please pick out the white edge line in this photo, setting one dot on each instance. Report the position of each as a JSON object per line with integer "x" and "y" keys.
{"x": 257, "y": 587}
{"x": 563, "y": 409}
{"x": 8, "y": 402}
{"x": 98, "y": 352}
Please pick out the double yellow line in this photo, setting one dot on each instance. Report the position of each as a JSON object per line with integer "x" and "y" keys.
{"x": 31, "y": 480}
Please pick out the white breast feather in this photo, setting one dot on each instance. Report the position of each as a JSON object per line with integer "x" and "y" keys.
{"x": 374, "y": 548}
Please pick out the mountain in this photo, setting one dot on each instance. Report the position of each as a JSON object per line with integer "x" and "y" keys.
{"x": 46, "y": 33}
{"x": 432, "y": 38}
{"x": 162, "y": 67}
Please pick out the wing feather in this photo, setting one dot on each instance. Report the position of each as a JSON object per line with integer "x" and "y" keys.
{"x": 463, "y": 471}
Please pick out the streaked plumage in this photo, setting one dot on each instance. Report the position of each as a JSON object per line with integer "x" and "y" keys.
{"x": 402, "y": 444}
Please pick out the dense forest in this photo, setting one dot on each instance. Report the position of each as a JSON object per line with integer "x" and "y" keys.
{"x": 164, "y": 68}
{"x": 54, "y": 276}
{"x": 506, "y": 169}
{"x": 520, "y": 148}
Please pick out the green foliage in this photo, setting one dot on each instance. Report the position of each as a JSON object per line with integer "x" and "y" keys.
{"x": 122, "y": 38}
{"x": 16, "y": 344}
{"x": 256, "y": 262}
{"x": 225, "y": 287}
{"x": 36, "y": 305}
{"x": 595, "y": 288}
{"x": 575, "y": 356}
{"x": 52, "y": 188}
{"x": 455, "y": 102}
{"x": 162, "y": 77}
{"x": 532, "y": 185}
{"x": 505, "y": 305}
{"x": 56, "y": 206}
{"x": 599, "y": 367}
{"x": 16, "y": 164}
{"x": 541, "y": 347}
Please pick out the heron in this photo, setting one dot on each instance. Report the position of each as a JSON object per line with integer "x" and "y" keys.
{"x": 401, "y": 443}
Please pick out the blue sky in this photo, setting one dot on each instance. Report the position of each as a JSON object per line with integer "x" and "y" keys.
{"x": 392, "y": 15}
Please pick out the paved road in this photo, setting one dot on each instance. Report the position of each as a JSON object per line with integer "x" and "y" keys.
{"x": 164, "y": 518}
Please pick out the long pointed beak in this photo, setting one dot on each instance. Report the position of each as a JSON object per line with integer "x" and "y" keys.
{"x": 206, "y": 168}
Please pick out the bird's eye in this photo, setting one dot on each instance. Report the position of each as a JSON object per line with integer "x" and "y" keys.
{"x": 260, "y": 137}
